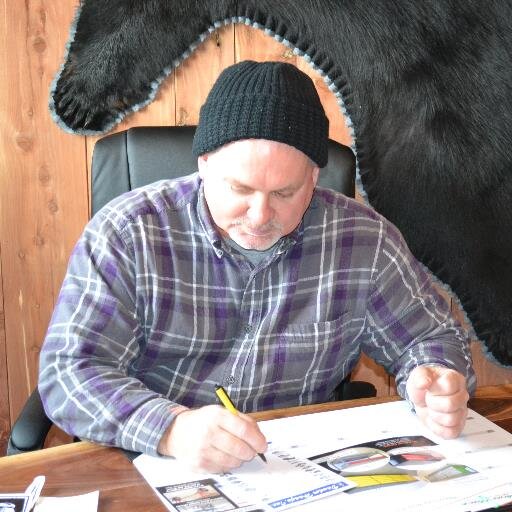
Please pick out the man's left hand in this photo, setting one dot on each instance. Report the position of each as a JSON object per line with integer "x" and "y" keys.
{"x": 440, "y": 398}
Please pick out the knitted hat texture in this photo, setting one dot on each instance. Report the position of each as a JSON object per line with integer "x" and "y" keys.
{"x": 263, "y": 100}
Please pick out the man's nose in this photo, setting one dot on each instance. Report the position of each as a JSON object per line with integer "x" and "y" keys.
{"x": 260, "y": 211}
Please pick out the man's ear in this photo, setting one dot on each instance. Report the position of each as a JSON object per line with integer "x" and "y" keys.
{"x": 314, "y": 175}
{"x": 202, "y": 164}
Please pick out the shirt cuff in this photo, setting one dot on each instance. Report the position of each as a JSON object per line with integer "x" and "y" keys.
{"x": 147, "y": 425}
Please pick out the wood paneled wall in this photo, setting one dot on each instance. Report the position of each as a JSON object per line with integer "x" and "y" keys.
{"x": 4, "y": 397}
{"x": 44, "y": 175}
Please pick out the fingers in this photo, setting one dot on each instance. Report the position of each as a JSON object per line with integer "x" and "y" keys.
{"x": 440, "y": 398}
{"x": 249, "y": 432}
{"x": 446, "y": 414}
{"x": 212, "y": 460}
{"x": 213, "y": 439}
{"x": 447, "y": 426}
{"x": 418, "y": 383}
{"x": 445, "y": 381}
{"x": 238, "y": 435}
{"x": 446, "y": 403}
{"x": 422, "y": 377}
{"x": 426, "y": 381}
{"x": 450, "y": 420}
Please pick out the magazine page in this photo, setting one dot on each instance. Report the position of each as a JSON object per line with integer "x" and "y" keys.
{"x": 284, "y": 481}
{"x": 396, "y": 463}
{"x": 380, "y": 456}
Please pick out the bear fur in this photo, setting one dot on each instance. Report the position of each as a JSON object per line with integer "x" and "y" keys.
{"x": 427, "y": 87}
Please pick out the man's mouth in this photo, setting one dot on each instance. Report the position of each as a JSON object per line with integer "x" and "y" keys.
{"x": 258, "y": 233}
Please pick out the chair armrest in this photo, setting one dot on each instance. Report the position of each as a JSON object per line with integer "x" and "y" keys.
{"x": 30, "y": 429}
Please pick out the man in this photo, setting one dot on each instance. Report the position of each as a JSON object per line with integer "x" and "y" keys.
{"x": 246, "y": 275}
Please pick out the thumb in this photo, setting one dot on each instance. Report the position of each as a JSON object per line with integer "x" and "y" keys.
{"x": 419, "y": 382}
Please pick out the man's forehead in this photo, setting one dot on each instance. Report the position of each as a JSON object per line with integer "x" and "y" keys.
{"x": 247, "y": 183}
{"x": 259, "y": 164}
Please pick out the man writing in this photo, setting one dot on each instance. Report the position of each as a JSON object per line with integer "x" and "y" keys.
{"x": 245, "y": 275}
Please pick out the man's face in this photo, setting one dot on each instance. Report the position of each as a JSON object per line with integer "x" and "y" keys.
{"x": 257, "y": 190}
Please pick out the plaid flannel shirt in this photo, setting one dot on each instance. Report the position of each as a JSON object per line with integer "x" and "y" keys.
{"x": 156, "y": 309}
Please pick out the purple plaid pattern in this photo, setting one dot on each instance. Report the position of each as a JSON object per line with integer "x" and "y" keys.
{"x": 156, "y": 309}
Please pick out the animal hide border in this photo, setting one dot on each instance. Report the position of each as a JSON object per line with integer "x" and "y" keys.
{"x": 426, "y": 87}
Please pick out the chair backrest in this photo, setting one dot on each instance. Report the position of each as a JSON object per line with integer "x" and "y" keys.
{"x": 142, "y": 155}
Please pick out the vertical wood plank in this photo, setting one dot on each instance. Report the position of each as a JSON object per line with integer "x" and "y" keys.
{"x": 43, "y": 185}
{"x": 338, "y": 129}
{"x": 253, "y": 44}
{"x": 369, "y": 371}
{"x": 488, "y": 373}
{"x": 5, "y": 423}
{"x": 196, "y": 75}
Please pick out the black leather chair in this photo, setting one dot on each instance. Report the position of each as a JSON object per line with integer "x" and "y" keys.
{"x": 139, "y": 156}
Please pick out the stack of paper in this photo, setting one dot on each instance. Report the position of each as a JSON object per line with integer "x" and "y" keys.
{"x": 377, "y": 457}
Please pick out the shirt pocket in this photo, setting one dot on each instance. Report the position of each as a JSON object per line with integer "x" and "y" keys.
{"x": 316, "y": 355}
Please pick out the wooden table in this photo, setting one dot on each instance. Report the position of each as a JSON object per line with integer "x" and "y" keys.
{"x": 83, "y": 467}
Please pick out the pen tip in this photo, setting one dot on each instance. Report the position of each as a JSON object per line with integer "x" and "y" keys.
{"x": 262, "y": 457}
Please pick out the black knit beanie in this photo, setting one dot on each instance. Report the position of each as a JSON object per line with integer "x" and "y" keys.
{"x": 263, "y": 100}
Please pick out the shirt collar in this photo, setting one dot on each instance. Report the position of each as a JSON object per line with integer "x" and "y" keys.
{"x": 209, "y": 227}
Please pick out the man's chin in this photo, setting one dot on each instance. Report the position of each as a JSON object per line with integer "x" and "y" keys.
{"x": 255, "y": 243}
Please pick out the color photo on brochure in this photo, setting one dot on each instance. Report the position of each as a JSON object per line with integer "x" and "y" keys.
{"x": 391, "y": 461}
{"x": 200, "y": 495}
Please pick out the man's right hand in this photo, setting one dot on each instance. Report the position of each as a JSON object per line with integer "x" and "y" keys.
{"x": 212, "y": 439}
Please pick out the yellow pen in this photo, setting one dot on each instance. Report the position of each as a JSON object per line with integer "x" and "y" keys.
{"x": 230, "y": 406}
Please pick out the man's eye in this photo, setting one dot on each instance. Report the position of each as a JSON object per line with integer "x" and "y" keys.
{"x": 239, "y": 190}
{"x": 283, "y": 195}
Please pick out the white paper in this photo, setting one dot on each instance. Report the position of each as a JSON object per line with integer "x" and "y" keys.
{"x": 481, "y": 456}
{"x": 490, "y": 498}
{"x": 33, "y": 491}
{"x": 410, "y": 469}
{"x": 283, "y": 482}
{"x": 79, "y": 503}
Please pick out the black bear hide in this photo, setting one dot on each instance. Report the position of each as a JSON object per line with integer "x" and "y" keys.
{"x": 427, "y": 86}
